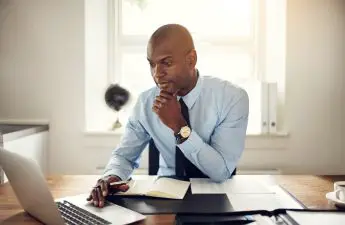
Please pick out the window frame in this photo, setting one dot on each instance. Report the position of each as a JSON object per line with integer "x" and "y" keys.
{"x": 256, "y": 47}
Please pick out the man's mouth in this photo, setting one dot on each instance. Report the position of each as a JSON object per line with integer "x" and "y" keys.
{"x": 163, "y": 84}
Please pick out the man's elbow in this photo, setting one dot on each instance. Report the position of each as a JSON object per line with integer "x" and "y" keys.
{"x": 220, "y": 177}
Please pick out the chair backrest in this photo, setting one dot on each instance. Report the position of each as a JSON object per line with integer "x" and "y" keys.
{"x": 154, "y": 159}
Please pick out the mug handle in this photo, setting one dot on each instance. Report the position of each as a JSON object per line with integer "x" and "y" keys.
{"x": 337, "y": 194}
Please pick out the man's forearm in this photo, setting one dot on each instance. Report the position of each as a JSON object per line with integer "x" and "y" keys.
{"x": 118, "y": 166}
{"x": 206, "y": 158}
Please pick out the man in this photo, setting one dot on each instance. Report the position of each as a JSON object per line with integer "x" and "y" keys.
{"x": 197, "y": 123}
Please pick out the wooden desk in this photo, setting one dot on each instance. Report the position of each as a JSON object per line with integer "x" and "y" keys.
{"x": 310, "y": 190}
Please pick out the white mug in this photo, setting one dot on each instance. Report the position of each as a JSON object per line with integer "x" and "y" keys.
{"x": 339, "y": 189}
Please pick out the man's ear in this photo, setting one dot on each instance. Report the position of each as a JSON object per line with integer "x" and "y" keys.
{"x": 192, "y": 58}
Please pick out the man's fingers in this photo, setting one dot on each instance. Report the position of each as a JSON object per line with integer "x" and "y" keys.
{"x": 158, "y": 104}
{"x": 160, "y": 99}
{"x": 104, "y": 187}
{"x": 100, "y": 197}
{"x": 155, "y": 108}
{"x": 164, "y": 87}
{"x": 94, "y": 196}
{"x": 123, "y": 188}
{"x": 117, "y": 188}
{"x": 166, "y": 95}
{"x": 89, "y": 198}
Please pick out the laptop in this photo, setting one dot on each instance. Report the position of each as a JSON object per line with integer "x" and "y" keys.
{"x": 31, "y": 189}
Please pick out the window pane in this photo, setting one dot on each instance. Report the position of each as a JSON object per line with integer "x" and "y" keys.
{"x": 211, "y": 18}
{"x": 226, "y": 63}
{"x": 254, "y": 90}
{"x": 135, "y": 73}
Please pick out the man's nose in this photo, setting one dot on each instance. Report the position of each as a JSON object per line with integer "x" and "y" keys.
{"x": 158, "y": 72}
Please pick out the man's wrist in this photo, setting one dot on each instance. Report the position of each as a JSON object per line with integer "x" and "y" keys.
{"x": 178, "y": 126}
{"x": 112, "y": 176}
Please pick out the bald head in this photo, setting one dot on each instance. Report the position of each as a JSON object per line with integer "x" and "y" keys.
{"x": 172, "y": 59}
{"x": 174, "y": 36}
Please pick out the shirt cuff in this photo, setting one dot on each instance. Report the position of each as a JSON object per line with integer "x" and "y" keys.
{"x": 193, "y": 144}
{"x": 122, "y": 176}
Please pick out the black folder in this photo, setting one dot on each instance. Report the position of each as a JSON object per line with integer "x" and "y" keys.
{"x": 192, "y": 203}
{"x": 278, "y": 216}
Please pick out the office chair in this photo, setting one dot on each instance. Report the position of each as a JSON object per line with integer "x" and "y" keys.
{"x": 154, "y": 159}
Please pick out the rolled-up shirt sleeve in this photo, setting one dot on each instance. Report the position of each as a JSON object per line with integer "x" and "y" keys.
{"x": 219, "y": 158}
{"x": 125, "y": 157}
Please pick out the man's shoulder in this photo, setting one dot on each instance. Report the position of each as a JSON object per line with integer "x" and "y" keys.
{"x": 147, "y": 95}
{"x": 221, "y": 85}
{"x": 226, "y": 94}
{"x": 144, "y": 103}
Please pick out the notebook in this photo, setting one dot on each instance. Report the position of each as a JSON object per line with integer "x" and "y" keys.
{"x": 162, "y": 187}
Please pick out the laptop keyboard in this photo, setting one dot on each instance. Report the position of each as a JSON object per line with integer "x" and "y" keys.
{"x": 74, "y": 215}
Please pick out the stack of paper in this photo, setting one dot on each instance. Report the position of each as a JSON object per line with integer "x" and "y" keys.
{"x": 235, "y": 185}
{"x": 246, "y": 193}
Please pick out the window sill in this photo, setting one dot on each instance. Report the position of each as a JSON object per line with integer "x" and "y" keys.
{"x": 117, "y": 132}
{"x": 121, "y": 131}
{"x": 264, "y": 142}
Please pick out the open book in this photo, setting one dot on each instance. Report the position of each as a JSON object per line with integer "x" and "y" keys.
{"x": 157, "y": 187}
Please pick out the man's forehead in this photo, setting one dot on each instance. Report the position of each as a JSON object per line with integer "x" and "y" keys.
{"x": 159, "y": 51}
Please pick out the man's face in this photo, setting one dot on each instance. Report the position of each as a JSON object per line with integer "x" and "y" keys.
{"x": 168, "y": 66}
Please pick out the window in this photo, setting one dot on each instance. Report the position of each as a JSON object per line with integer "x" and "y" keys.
{"x": 237, "y": 40}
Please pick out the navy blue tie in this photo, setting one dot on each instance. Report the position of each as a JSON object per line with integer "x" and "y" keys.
{"x": 183, "y": 167}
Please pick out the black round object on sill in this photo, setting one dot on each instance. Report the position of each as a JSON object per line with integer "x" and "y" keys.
{"x": 116, "y": 97}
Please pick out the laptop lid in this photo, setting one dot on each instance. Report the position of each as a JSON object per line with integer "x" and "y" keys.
{"x": 30, "y": 187}
{"x": 34, "y": 195}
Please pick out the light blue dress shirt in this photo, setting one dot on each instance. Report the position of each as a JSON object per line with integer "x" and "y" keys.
{"x": 218, "y": 112}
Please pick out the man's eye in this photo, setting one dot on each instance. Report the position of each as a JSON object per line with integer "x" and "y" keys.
{"x": 152, "y": 65}
{"x": 167, "y": 63}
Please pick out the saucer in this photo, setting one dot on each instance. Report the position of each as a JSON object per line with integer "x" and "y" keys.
{"x": 331, "y": 197}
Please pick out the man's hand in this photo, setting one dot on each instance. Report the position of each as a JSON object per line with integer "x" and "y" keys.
{"x": 168, "y": 109}
{"x": 103, "y": 188}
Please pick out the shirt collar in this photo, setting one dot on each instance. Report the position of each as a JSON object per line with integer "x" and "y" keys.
{"x": 193, "y": 95}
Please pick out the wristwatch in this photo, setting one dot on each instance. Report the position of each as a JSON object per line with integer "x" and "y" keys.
{"x": 183, "y": 134}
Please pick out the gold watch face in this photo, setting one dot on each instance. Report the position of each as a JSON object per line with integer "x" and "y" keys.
{"x": 185, "y": 132}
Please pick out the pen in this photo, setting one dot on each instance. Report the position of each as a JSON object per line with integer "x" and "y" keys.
{"x": 120, "y": 182}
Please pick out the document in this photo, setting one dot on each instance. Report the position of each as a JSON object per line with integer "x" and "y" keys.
{"x": 249, "y": 202}
{"x": 235, "y": 185}
{"x": 318, "y": 218}
{"x": 157, "y": 187}
{"x": 280, "y": 199}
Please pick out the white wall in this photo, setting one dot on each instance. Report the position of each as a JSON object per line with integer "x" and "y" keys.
{"x": 42, "y": 71}
{"x": 42, "y": 50}
{"x": 315, "y": 92}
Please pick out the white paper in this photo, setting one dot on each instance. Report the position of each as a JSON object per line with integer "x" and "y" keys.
{"x": 280, "y": 199}
{"x": 286, "y": 199}
{"x": 235, "y": 185}
{"x": 318, "y": 218}
{"x": 248, "y": 202}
